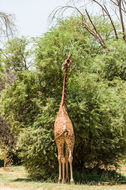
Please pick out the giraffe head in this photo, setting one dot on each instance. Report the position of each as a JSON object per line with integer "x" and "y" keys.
{"x": 67, "y": 62}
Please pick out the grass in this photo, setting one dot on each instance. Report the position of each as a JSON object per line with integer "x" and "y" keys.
{"x": 16, "y": 178}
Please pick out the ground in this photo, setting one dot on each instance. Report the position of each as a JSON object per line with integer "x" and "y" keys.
{"x": 16, "y": 178}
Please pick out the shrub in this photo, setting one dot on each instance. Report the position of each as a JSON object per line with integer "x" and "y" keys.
{"x": 36, "y": 153}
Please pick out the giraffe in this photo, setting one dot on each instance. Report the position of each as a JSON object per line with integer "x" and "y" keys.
{"x": 64, "y": 133}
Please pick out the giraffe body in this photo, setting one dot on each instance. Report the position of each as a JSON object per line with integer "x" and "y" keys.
{"x": 63, "y": 124}
{"x": 64, "y": 134}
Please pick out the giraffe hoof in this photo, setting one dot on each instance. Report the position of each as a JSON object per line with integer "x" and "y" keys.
{"x": 59, "y": 180}
{"x": 63, "y": 181}
{"x": 67, "y": 180}
{"x": 72, "y": 182}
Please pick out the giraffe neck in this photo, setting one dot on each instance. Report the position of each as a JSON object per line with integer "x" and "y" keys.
{"x": 64, "y": 92}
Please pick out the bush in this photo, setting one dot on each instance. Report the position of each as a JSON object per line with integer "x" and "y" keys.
{"x": 37, "y": 154}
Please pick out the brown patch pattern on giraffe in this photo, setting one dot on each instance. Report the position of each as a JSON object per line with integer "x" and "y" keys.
{"x": 64, "y": 133}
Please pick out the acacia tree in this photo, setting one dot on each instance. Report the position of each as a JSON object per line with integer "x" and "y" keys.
{"x": 7, "y": 29}
{"x": 113, "y": 10}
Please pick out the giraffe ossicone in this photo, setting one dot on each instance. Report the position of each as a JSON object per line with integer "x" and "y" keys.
{"x": 64, "y": 133}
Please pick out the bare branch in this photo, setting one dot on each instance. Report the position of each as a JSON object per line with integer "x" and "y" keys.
{"x": 124, "y": 6}
{"x": 104, "y": 8}
{"x": 7, "y": 26}
{"x": 123, "y": 9}
{"x": 98, "y": 34}
{"x": 121, "y": 18}
{"x": 112, "y": 23}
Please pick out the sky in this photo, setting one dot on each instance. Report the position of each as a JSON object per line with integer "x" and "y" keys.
{"x": 31, "y": 16}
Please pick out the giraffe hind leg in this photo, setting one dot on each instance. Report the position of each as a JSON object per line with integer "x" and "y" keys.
{"x": 70, "y": 146}
{"x": 67, "y": 167}
{"x": 63, "y": 170}
{"x": 71, "y": 168}
{"x": 61, "y": 161}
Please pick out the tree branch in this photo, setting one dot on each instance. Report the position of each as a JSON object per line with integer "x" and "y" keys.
{"x": 112, "y": 23}
{"x": 104, "y": 8}
{"x": 121, "y": 19}
{"x": 123, "y": 9}
{"x": 98, "y": 34}
{"x": 7, "y": 24}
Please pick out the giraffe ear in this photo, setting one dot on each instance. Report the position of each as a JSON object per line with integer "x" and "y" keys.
{"x": 69, "y": 64}
{"x": 63, "y": 65}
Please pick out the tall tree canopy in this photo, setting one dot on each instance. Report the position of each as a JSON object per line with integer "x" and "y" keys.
{"x": 112, "y": 11}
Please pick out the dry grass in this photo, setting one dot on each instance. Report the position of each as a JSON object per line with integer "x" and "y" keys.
{"x": 15, "y": 178}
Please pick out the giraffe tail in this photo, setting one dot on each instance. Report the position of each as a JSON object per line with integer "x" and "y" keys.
{"x": 53, "y": 141}
{"x": 65, "y": 131}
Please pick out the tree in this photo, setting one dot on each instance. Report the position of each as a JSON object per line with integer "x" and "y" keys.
{"x": 7, "y": 29}
{"x": 7, "y": 137}
{"x": 115, "y": 14}
{"x": 15, "y": 57}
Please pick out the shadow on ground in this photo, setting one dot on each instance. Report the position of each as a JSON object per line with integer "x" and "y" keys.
{"x": 94, "y": 177}
{"x": 87, "y": 177}
{"x": 24, "y": 180}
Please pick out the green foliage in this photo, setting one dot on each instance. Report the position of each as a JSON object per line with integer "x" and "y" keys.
{"x": 21, "y": 100}
{"x": 16, "y": 55}
{"x": 36, "y": 154}
{"x": 98, "y": 112}
{"x": 112, "y": 64}
{"x": 0, "y": 67}
{"x": 96, "y": 100}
